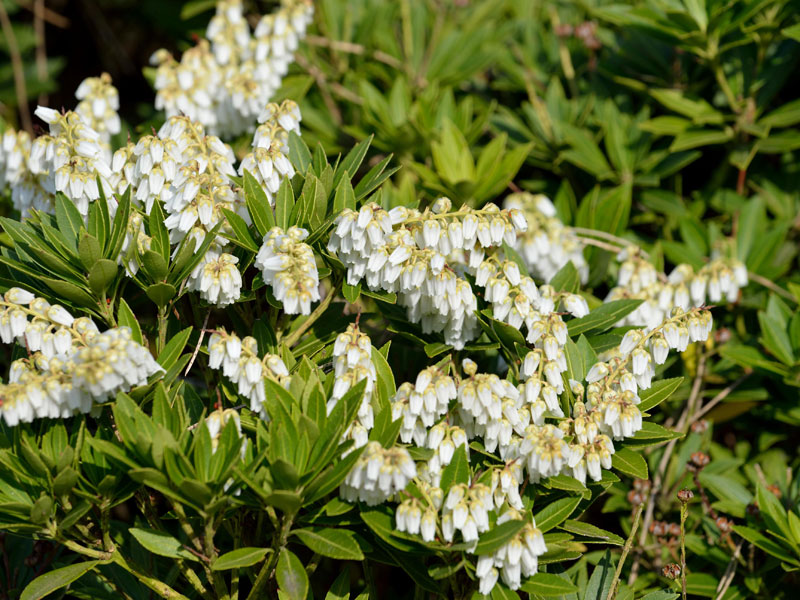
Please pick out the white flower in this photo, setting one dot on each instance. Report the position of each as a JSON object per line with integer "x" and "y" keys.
{"x": 217, "y": 278}
{"x": 288, "y": 265}
{"x": 378, "y": 474}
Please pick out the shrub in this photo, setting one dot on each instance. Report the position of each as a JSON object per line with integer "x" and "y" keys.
{"x": 246, "y": 355}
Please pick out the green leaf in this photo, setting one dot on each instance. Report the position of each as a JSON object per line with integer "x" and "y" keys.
{"x": 154, "y": 265}
{"x": 556, "y": 513}
{"x": 102, "y": 275}
{"x": 548, "y": 585}
{"x": 70, "y": 291}
{"x": 89, "y": 250}
{"x": 57, "y": 579}
{"x": 340, "y": 589}
{"x": 694, "y": 138}
{"x": 239, "y": 558}
{"x": 629, "y": 462}
{"x": 566, "y": 280}
{"x": 351, "y": 292}
{"x": 600, "y": 582}
{"x": 258, "y": 204}
{"x": 658, "y": 392}
{"x": 350, "y": 163}
{"x": 299, "y": 154}
{"x": 169, "y": 355}
{"x": 158, "y": 231}
{"x": 161, "y": 293}
{"x": 603, "y": 317}
{"x": 589, "y": 530}
{"x": 284, "y": 204}
{"x": 291, "y": 576}
{"x": 340, "y": 544}
{"x": 126, "y": 318}
{"x": 699, "y": 111}
{"x": 766, "y": 544}
{"x": 161, "y": 543}
{"x": 776, "y": 338}
{"x": 457, "y": 471}
{"x": 68, "y": 219}
{"x": 498, "y": 536}
{"x": 773, "y": 513}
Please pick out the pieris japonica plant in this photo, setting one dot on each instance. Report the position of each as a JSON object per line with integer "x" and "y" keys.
{"x": 230, "y": 367}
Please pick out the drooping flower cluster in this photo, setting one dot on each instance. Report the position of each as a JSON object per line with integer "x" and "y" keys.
{"x": 240, "y": 362}
{"x": 517, "y": 558}
{"x": 717, "y": 281}
{"x": 99, "y": 103}
{"x": 419, "y": 255}
{"x": 217, "y": 278}
{"x": 352, "y": 362}
{"x": 422, "y": 404}
{"x": 516, "y": 300}
{"x": 548, "y": 244}
{"x": 379, "y": 474}
{"x": 288, "y": 265}
{"x": 225, "y": 80}
{"x": 71, "y": 159}
{"x": 269, "y": 162}
{"x": 71, "y": 365}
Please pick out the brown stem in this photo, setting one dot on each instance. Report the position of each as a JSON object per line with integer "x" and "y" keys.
{"x": 18, "y": 69}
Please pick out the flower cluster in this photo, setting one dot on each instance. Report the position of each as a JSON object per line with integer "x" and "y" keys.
{"x": 422, "y": 404}
{"x": 378, "y": 475}
{"x": 217, "y": 278}
{"x": 548, "y": 244}
{"x": 268, "y": 161}
{"x": 517, "y": 558}
{"x": 99, "y": 103}
{"x": 719, "y": 280}
{"x": 240, "y": 362}
{"x": 419, "y": 255}
{"x": 72, "y": 364}
{"x": 72, "y": 159}
{"x": 352, "y": 362}
{"x": 225, "y": 80}
{"x": 288, "y": 265}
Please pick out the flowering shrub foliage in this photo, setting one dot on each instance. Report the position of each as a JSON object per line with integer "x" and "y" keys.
{"x": 235, "y": 361}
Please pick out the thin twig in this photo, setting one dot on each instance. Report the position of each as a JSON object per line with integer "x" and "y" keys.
{"x": 199, "y": 343}
{"x": 769, "y": 285}
{"x": 719, "y": 398}
{"x": 612, "y": 592}
{"x": 324, "y": 89}
{"x": 610, "y": 237}
{"x": 730, "y": 572}
{"x": 352, "y": 48}
{"x": 41, "y": 46}
{"x": 592, "y": 242}
{"x": 294, "y": 337}
{"x": 684, "y": 513}
{"x": 48, "y": 15}
{"x": 18, "y": 69}
{"x": 656, "y": 489}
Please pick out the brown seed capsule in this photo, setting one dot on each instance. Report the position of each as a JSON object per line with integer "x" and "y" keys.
{"x": 671, "y": 571}
{"x": 700, "y": 459}
{"x": 725, "y": 525}
{"x": 685, "y": 495}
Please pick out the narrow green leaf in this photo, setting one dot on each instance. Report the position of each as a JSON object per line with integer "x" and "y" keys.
{"x": 56, "y": 579}
{"x": 240, "y": 558}
{"x": 340, "y": 544}
{"x": 629, "y": 462}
